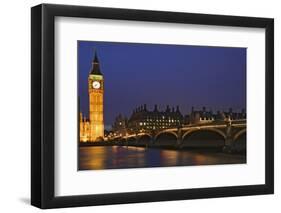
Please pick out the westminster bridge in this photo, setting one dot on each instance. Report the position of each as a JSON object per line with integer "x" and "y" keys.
{"x": 230, "y": 135}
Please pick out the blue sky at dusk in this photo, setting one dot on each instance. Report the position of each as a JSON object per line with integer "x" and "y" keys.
{"x": 136, "y": 74}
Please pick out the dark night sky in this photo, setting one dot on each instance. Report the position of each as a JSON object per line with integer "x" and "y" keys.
{"x": 182, "y": 75}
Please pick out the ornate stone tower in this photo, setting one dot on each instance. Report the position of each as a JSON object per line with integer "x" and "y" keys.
{"x": 96, "y": 89}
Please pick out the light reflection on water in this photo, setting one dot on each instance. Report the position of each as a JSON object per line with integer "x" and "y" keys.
{"x": 116, "y": 157}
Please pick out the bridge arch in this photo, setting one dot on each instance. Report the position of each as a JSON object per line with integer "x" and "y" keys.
{"x": 145, "y": 135}
{"x": 166, "y": 138}
{"x": 144, "y": 139}
{"x": 239, "y": 141}
{"x": 131, "y": 140}
{"x": 203, "y": 129}
{"x": 203, "y": 138}
{"x": 238, "y": 134}
{"x": 166, "y": 132}
{"x": 122, "y": 140}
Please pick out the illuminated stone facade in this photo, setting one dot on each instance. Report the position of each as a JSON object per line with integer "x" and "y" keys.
{"x": 143, "y": 119}
{"x": 93, "y": 129}
{"x": 205, "y": 116}
{"x": 84, "y": 129}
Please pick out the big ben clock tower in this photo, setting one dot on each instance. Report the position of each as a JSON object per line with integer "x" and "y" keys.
{"x": 96, "y": 89}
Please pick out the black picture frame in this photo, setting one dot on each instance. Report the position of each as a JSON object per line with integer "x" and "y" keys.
{"x": 43, "y": 110}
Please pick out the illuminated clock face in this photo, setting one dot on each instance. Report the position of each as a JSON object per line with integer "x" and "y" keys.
{"x": 96, "y": 85}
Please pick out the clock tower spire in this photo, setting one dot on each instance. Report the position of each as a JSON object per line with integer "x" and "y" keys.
{"x": 95, "y": 66}
{"x": 96, "y": 91}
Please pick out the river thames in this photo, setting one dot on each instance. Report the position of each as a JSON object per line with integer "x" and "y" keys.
{"x": 117, "y": 157}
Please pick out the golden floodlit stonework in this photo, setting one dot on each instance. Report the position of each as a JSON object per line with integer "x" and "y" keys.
{"x": 92, "y": 129}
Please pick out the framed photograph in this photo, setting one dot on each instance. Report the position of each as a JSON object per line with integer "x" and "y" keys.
{"x": 140, "y": 106}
